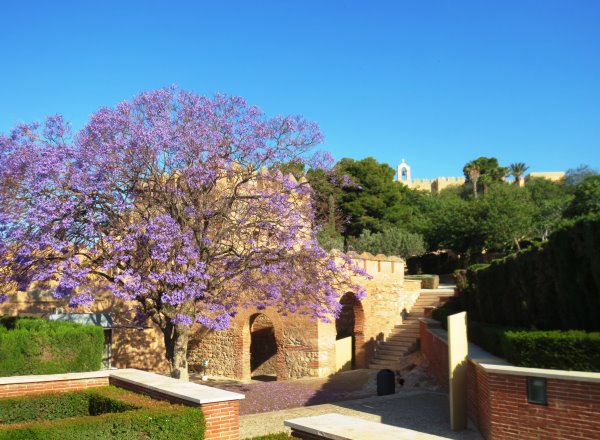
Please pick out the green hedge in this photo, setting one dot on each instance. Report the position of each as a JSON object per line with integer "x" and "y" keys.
{"x": 59, "y": 406}
{"x": 570, "y": 350}
{"x": 560, "y": 350}
{"x": 39, "y": 346}
{"x": 153, "y": 420}
{"x": 555, "y": 285}
{"x": 452, "y": 306}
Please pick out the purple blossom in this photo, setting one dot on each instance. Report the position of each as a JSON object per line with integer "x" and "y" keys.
{"x": 182, "y": 319}
{"x": 172, "y": 200}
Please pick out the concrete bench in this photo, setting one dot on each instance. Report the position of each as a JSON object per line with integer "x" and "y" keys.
{"x": 339, "y": 427}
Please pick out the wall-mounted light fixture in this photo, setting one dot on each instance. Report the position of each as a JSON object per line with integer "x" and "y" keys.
{"x": 536, "y": 390}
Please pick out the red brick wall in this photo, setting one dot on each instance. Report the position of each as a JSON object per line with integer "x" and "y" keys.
{"x": 222, "y": 418}
{"x": 436, "y": 352}
{"x": 498, "y": 406}
{"x": 478, "y": 398}
{"x": 572, "y": 412}
{"x": 58, "y": 386}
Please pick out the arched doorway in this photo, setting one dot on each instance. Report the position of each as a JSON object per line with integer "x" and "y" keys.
{"x": 349, "y": 328}
{"x": 263, "y": 348}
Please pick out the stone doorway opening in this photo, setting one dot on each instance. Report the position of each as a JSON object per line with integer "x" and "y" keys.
{"x": 349, "y": 328}
{"x": 263, "y": 348}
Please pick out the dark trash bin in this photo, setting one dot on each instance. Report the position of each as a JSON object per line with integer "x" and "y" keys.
{"x": 386, "y": 382}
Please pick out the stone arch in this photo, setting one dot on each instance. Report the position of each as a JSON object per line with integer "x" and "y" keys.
{"x": 263, "y": 346}
{"x": 351, "y": 322}
{"x": 242, "y": 339}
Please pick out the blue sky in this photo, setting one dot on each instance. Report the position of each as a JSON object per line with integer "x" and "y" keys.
{"x": 435, "y": 82}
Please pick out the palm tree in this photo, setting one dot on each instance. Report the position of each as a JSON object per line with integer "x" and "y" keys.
{"x": 517, "y": 170}
{"x": 472, "y": 172}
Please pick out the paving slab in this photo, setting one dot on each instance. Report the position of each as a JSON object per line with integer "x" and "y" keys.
{"x": 339, "y": 427}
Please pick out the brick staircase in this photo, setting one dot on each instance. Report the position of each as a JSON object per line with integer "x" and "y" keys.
{"x": 403, "y": 338}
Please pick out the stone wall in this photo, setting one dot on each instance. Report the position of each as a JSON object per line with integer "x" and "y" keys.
{"x": 305, "y": 347}
{"x": 228, "y": 351}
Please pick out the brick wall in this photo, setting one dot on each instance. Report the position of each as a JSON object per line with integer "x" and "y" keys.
{"x": 497, "y": 397}
{"x": 55, "y": 386}
{"x": 435, "y": 351}
{"x": 222, "y": 418}
{"x": 572, "y": 412}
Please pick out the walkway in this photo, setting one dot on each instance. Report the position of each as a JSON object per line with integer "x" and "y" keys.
{"x": 424, "y": 414}
{"x": 347, "y": 385}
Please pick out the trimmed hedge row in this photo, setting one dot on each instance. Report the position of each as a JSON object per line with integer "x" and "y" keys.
{"x": 39, "y": 346}
{"x": 59, "y": 406}
{"x": 560, "y": 350}
{"x": 570, "y": 350}
{"x": 153, "y": 420}
{"x": 555, "y": 285}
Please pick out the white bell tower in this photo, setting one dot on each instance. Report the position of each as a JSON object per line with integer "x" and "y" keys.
{"x": 404, "y": 173}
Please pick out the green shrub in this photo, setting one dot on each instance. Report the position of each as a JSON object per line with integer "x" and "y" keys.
{"x": 561, "y": 350}
{"x": 452, "y": 306}
{"x": 153, "y": 420}
{"x": 58, "y": 406}
{"x": 489, "y": 337}
{"x": 551, "y": 286}
{"x": 39, "y": 346}
{"x": 569, "y": 350}
{"x": 460, "y": 277}
{"x": 391, "y": 241}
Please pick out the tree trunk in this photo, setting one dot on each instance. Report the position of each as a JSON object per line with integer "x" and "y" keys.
{"x": 475, "y": 188}
{"x": 176, "y": 338}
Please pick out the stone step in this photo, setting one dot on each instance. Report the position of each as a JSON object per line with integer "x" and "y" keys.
{"x": 386, "y": 357}
{"x": 384, "y": 362}
{"x": 404, "y": 332}
{"x": 400, "y": 336}
{"x": 385, "y": 366}
{"x": 401, "y": 344}
{"x": 411, "y": 325}
{"x": 397, "y": 350}
{"x": 400, "y": 341}
{"x": 395, "y": 343}
{"x": 408, "y": 323}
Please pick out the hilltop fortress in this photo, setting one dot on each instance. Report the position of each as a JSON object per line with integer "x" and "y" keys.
{"x": 440, "y": 183}
{"x": 433, "y": 185}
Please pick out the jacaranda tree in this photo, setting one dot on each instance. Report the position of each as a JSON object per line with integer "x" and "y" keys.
{"x": 173, "y": 201}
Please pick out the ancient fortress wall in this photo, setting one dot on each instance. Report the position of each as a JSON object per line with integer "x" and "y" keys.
{"x": 304, "y": 346}
{"x": 435, "y": 185}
